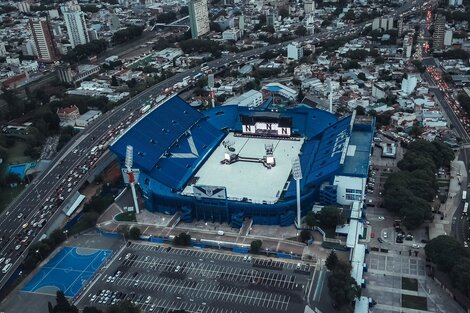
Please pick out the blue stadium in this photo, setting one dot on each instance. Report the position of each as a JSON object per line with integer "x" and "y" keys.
{"x": 231, "y": 162}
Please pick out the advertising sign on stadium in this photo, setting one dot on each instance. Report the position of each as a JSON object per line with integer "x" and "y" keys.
{"x": 214, "y": 192}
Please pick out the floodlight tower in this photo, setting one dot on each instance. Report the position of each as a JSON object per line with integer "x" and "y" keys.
{"x": 131, "y": 175}
{"x": 297, "y": 173}
{"x": 330, "y": 96}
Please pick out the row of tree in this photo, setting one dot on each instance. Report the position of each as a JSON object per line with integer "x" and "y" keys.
{"x": 127, "y": 34}
{"x": 81, "y": 52}
{"x": 41, "y": 249}
{"x": 328, "y": 217}
{"x": 408, "y": 192}
{"x": 452, "y": 258}
{"x": 343, "y": 289}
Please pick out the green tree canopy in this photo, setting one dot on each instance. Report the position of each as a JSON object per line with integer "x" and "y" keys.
{"x": 445, "y": 252}
{"x": 183, "y": 239}
{"x": 330, "y": 216}
{"x": 343, "y": 289}
{"x": 256, "y": 245}
{"x": 331, "y": 260}
{"x": 134, "y": 233}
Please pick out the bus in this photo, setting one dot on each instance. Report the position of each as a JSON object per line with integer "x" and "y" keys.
{"x": 464, "y": 195}
{"x": 465, "y": 208}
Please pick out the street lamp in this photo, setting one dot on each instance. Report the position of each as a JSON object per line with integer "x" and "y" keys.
{"x": 37, "y": 251}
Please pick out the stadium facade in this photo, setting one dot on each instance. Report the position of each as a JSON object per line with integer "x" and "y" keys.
{"x": 231, "y": 162}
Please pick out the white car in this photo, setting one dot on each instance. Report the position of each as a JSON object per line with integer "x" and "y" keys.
{"x": 381, "y": 218}
{"x": 1, "y": 260}
{"x": 465, "y": 244}
{"x": 8, "y": 261}
{"x": 385, "y": 234}
{"x": 416, "y": 246}
{"x": 17, "y": 247}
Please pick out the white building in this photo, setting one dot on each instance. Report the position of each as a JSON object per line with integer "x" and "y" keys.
{"x": 407, "y": 46}
{"x": 76, "y": 25}
{"x": 87, "y": 118}
{"x": 3, "y": 50}
{"x": 408, "y": 84}
{"x": 252, "y": 98}
{"x": 198, "y": 17}
{"x": 379, "y": 91}
{"x": 448, "y": 38}
{"x": 309, "y": 6}
{"x": 295, "y": 51}
{"x": 231, "y": 34}
{"x": 403, "y": 119}
{"x": 23, "y": 7}
{"x": 454, "y": 3}
{"x": 53, "y": 14}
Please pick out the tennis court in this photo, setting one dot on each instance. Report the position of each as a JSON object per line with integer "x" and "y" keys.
{"x": 69, "y": 270}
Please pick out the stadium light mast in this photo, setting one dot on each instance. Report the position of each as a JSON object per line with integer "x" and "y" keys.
{"x": 297, "y": 173}
{"x": 330, "y": 96}
{"x": 131, "y": 175}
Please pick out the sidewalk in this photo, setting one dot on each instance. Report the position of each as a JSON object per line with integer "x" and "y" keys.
{"x": 444, "y": 226}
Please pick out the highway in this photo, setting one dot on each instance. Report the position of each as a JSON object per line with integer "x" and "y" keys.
{"x": 448, "y": 104}
{"x": 65, "y": 174}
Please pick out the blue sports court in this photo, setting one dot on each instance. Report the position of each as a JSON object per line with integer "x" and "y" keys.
{"x": 69, "y": 270}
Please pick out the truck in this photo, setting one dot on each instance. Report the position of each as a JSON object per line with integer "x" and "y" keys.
{"x": 6, "y": 268}
{"x": 197, "y": 76}
{"x": 145, "y": 108}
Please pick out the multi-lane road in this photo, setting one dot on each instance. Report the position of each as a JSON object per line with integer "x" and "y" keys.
{"x": 65, "y": 167}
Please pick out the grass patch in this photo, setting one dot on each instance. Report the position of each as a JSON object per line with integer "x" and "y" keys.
{"x": 126, "y": 217}
{"x": 414, "y": 302}
{"x": 409, "y": 283}
{"x": 7, "y": 195}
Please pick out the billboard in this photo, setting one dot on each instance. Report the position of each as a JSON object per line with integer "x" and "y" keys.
{"x": 212, "y": 192}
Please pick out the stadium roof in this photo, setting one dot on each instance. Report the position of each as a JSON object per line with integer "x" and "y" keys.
{"x": 169, "y": 141}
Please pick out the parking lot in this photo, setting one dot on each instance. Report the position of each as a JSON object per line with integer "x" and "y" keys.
{"x": 160, "y": 279}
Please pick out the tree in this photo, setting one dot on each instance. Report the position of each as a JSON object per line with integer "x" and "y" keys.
{"x": 360, "y": 110}
{"x": 183, "y": 239}
{"x": 304, "y": 235}
{"x": 127, "y": 34}
{"x": 12, "y": 179}
{"x": 330, "y": 216}
{"x": 63, "y": 305}
{"x": 362, "y": 76}
{"x": 301, "y": 31}
{"x": 445, "y": 252}
{"x": 331, "y": 260}
{"x": 310, "y": 218}
{"x": 343, "y": 289}
{"x": 300, "y": 95}
{"x": 134, "y": 233}
{"x": 283, "y": 12}
{"x": 255, "y": 246}
{"x": 57, "y": 237}
{"x": 114, "y": 81}
{"x": 461, "y": 275}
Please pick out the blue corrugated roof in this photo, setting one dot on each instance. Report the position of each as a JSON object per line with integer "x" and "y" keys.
{"x": 170, "y": 142}
{"x": 327, "y": 159}
{"x": 306, "y": 121}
